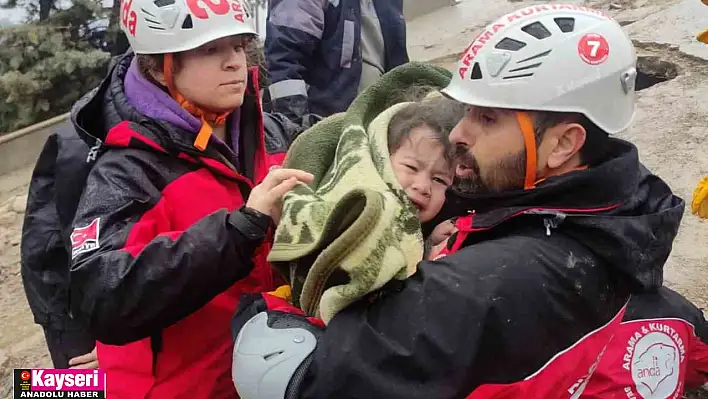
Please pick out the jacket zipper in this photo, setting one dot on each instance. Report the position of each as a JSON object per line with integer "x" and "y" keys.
{"x": 553, "y": 222}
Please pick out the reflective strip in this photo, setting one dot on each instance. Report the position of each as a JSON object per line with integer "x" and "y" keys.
{"x": 287, "y": 88}
{"x": 347, "y": 55}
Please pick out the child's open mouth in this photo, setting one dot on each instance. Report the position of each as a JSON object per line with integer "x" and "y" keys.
{"x": 418, "y": 205}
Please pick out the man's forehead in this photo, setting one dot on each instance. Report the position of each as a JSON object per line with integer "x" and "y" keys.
{"x": 503, "y": 111}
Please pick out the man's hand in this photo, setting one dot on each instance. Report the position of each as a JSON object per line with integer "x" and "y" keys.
{"x": 86, "y": 361}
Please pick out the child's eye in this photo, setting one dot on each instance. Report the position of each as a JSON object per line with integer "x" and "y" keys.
{"x": 210, "y": 50}
{"x": 411, "y": 167}
{"x": 442, "y": 181}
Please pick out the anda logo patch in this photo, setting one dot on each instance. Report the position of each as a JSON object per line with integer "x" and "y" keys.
{"x": 85, "y": 239}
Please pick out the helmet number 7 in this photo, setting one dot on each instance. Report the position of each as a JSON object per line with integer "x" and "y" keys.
{"x": 593, "y": 48}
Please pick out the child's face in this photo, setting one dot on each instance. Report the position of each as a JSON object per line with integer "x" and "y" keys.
{"x": 421, "y": 169}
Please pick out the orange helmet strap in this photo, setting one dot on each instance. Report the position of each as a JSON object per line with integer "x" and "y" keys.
{"x": 207, "y": 118}
{"x": 526, "y": 124}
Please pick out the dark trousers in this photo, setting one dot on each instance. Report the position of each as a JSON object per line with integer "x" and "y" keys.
{"x": 66, "y": 343}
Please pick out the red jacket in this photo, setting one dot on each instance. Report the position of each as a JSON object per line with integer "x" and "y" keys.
{"x": 160, "y": 248}
{"x": 659, "y": 351}
{"x": 655, "y": 348}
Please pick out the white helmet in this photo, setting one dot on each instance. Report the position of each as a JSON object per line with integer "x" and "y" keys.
{"x": 170, "y": 26}
{"x": 563, "y": 58}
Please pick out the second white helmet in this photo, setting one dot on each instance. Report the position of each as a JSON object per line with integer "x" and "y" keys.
{"x": 555, "y": 57}
{"x": 170, "y": 26}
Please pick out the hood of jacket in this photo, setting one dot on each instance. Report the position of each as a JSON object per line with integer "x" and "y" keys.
{"x": 619, "y": 209}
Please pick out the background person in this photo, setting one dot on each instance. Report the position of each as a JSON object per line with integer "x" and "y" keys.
{"x": 320, "y": 53}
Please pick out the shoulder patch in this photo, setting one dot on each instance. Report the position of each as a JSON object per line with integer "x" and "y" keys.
{"x": 85, "y": 239}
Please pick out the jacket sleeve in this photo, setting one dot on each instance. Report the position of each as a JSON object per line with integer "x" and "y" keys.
{"x": 697, "y": 370}
{"x": 132, "y": 275}
{"x": 394, "y": 33}
{"x": 44, "y": 258}
{"x": 281, "y": 131}
{"x": 293, "y": 32}
{"x": 669, "y": 303}
{"x": 456, "y": 324}
{"x": 666, "y": 303}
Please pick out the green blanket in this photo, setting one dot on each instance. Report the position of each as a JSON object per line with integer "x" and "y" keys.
{"x": 353, "y": 229}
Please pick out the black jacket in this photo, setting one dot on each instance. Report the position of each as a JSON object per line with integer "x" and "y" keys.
{"x": 313, "y": 52}
{"x": 537, "y": 271}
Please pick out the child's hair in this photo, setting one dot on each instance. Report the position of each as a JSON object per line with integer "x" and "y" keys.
{"x": 440, "y": 114}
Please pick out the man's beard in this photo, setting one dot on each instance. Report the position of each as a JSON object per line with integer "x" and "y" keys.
{"x": 508, "y": 173}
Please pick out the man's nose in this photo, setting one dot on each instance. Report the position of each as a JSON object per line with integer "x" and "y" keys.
{"x": 459, "y": 136}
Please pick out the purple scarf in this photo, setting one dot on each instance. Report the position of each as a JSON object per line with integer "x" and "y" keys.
{"x": 155, "y": 103}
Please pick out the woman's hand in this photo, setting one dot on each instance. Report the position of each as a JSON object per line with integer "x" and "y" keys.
{"x": 87, "y": 361}
{"x": 267, "y": 197}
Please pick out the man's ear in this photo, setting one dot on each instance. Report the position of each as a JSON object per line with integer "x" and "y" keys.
{"x": 567, "y": 140}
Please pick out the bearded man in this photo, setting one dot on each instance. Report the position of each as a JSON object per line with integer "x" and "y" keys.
{"x": 563, "y": 226}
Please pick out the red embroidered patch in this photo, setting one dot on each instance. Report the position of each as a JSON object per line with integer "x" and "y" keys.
{"x": 85, "y": 239}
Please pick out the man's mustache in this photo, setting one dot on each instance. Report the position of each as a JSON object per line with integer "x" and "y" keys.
{"x": 462, "y": 154}
{"x": 470, "y": 182}
{"x": 465, "y": 158}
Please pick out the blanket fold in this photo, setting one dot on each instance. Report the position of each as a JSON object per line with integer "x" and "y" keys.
{"x": 353, "y": 229}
